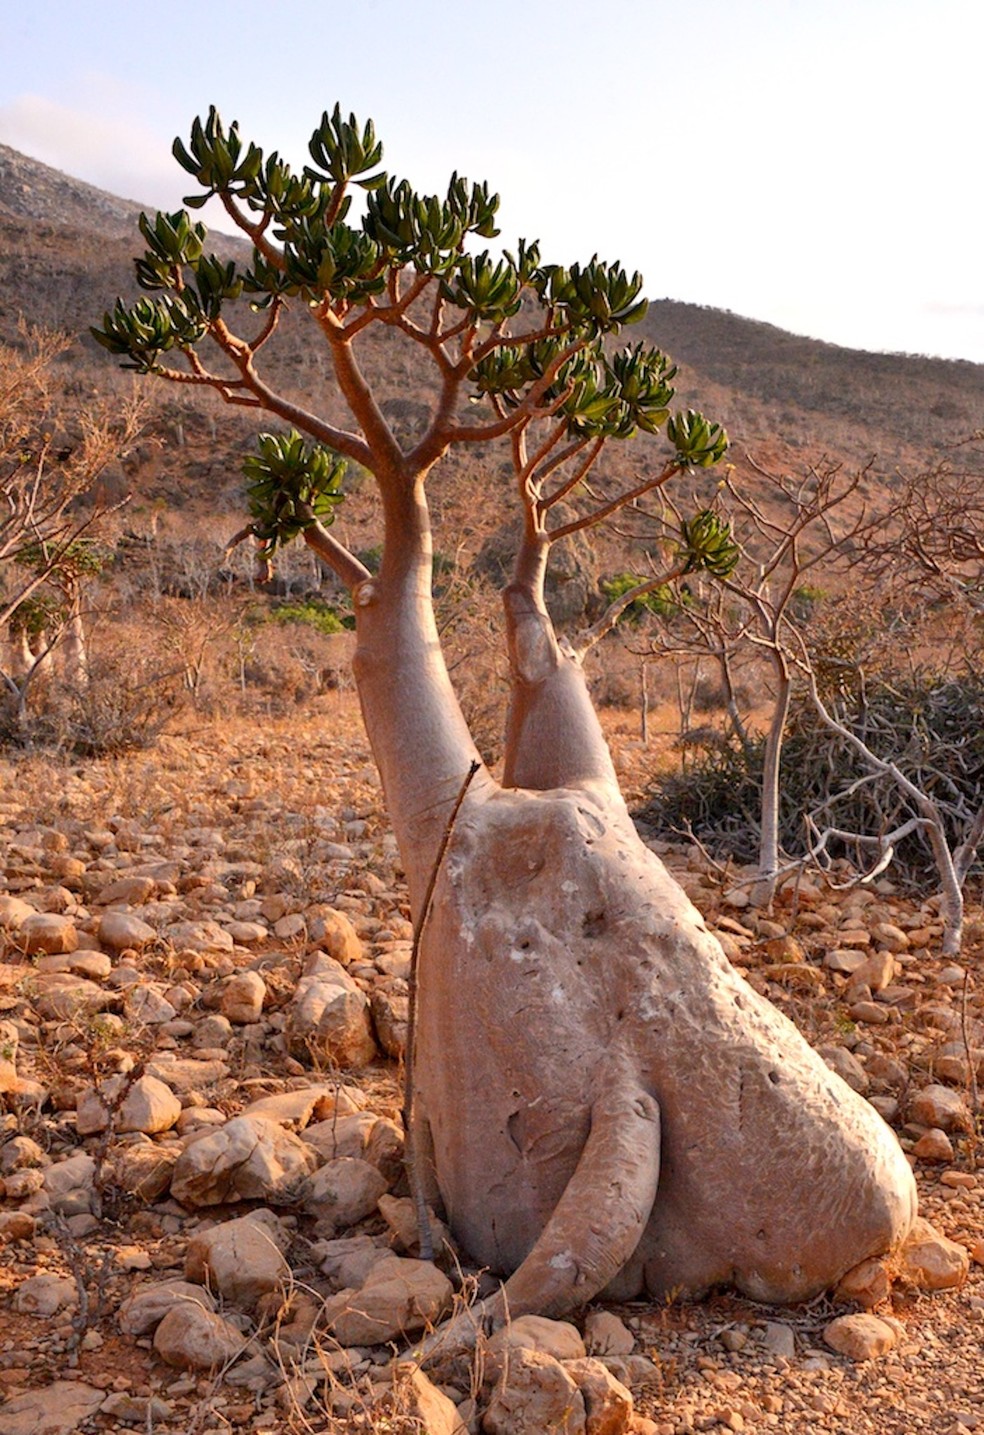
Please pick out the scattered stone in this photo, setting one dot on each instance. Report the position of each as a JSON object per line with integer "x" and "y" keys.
{"x": 940, "y": 1106}
{"x": 534, "y": 1393}
{"x": 142, "y": 1312}
{"x": 54, "y": 1409}
{"x": 400, "y": 1215}
{"x": 846, "y": 1065}
{"x": 333, "y": 932}
{"x": 242, "y": 998}
{"x": 860, "y": 1337}
{"x": 399, "y": 1297}
{"x": 866, "y": 1284}
{"x": 605, "y": 1334}
{"x": 241, "y": 1259}
{"x": 328, "y": 1019}
{"x": 607, "y": 1402}
{"x": 122, "y": 931}
{"x": 247, "y": 1159}
{"x": 535, "y": 1332}
{"x": 343, "y": 1192}
{"x": 48, "y": 932}
{"x": 934, "y": 1145}
{"x": 418, "y": 1401}
{"x": 43, "y": 1295}
{"x": 148, "y": 1106}
{"x": 310, "y": 1103}
{"x": 193, "y": 1338}
{"x": 932, "y": 1261}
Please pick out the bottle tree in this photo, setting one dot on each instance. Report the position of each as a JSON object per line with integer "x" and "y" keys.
{"x": 600, "y": 1101}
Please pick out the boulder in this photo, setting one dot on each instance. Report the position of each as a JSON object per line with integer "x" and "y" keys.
{"x": 398, "y": 1298}
{"x": 48, "y": 932}
{"x": 242, "y": 998}
{"x": 123, "y": 930}
{"x": 247, "y": 1159}
{"x": 193, "y": 1338}
{"x": 860, "y": 1337}
{"x": 328, "y": 1018}
{"x": 535, "y": 1393}
{"x": 142, "y": 1312}
{"x": 343, "y": 1192}
{"x": 242, "y": 1259}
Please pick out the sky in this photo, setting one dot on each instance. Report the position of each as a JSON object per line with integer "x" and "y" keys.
{"x": 816, "y": 164}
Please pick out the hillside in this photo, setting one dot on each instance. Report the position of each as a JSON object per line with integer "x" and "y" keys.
{"x": 66, "y": 252}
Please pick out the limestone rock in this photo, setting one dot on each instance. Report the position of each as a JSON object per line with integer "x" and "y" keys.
{"x": 241, "y": 1259}
{"x": 122, "y": 930}
{"x": 133, "y": 889}
{"x": 399, "y": 1297}
{"x": 14, "y": 912}
{"x": 242, "y": 998}
{"x": 204, "y": 936}
{"x": 343, "y": 1192}
{"x": 142, "y": 1312}
{"x": 389, "y": 1014}
{"x": 859, "y": 1337}
{"x": 329, "y": 1016}
{"x": 141, "y": 1169}
{"x": 192, "y": 1338}
{"x": 54, "y": 1409}
{"x": 148, "y": 1106}
{"x": 400, "y": 1215}
{"x": 847, "y": 1066}
{"x": 248, "y": 1159}
{"x": 940, "y": 1106}
{"x": 9, "y": 1042}
{"x": 48, "y": 932}
{"x": 934, "y": 1145}
{"x": 311, "y": 1103}
{"x": 932, "y": 1261}
{"x": 61, "y": 996}
{"x": 607, "y": 1402}
{"x": 418, "y": 1400}
{"x": 535, "y": 1393}
{"x": 535, "y": 1332}
{"x": 342, "y": 1135}
{"x": 347, "y": 1261}
{"x": 333, "y": 931}
{"x": 866, "y": 1284}
{"x": 43, "y": 1295}
{"x": 605, "y": 1334}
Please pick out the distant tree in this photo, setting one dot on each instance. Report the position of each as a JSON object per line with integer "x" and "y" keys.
{"x": 53, "y": 456}
{"x": 569, "y": 1002}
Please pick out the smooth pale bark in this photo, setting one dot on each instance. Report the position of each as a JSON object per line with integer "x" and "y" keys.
{"x": 568, "y": 990}
{"x": 419, "y": 737}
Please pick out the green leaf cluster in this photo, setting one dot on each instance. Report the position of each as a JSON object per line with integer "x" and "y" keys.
{"x": 698, "y": 442}
{"x": 707, "y": 542}
{"x": 291, "y": 485}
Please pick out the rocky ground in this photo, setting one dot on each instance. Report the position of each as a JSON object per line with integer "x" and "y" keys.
{"x": 203, "y": 1214}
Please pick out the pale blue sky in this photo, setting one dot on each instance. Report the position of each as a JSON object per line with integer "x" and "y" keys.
{"x": 813, "y": 163}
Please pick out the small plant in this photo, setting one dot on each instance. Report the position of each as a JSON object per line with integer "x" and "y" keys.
{"x": 311, "y": 613}
{"x": 664, "y": 601}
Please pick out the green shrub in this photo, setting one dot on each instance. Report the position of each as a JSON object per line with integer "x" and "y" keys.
{"x": 312, "y": 613}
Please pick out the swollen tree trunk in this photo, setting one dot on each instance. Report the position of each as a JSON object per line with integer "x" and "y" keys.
{"x": 602, "y": 1102}
{"x": 416, "y": 729}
